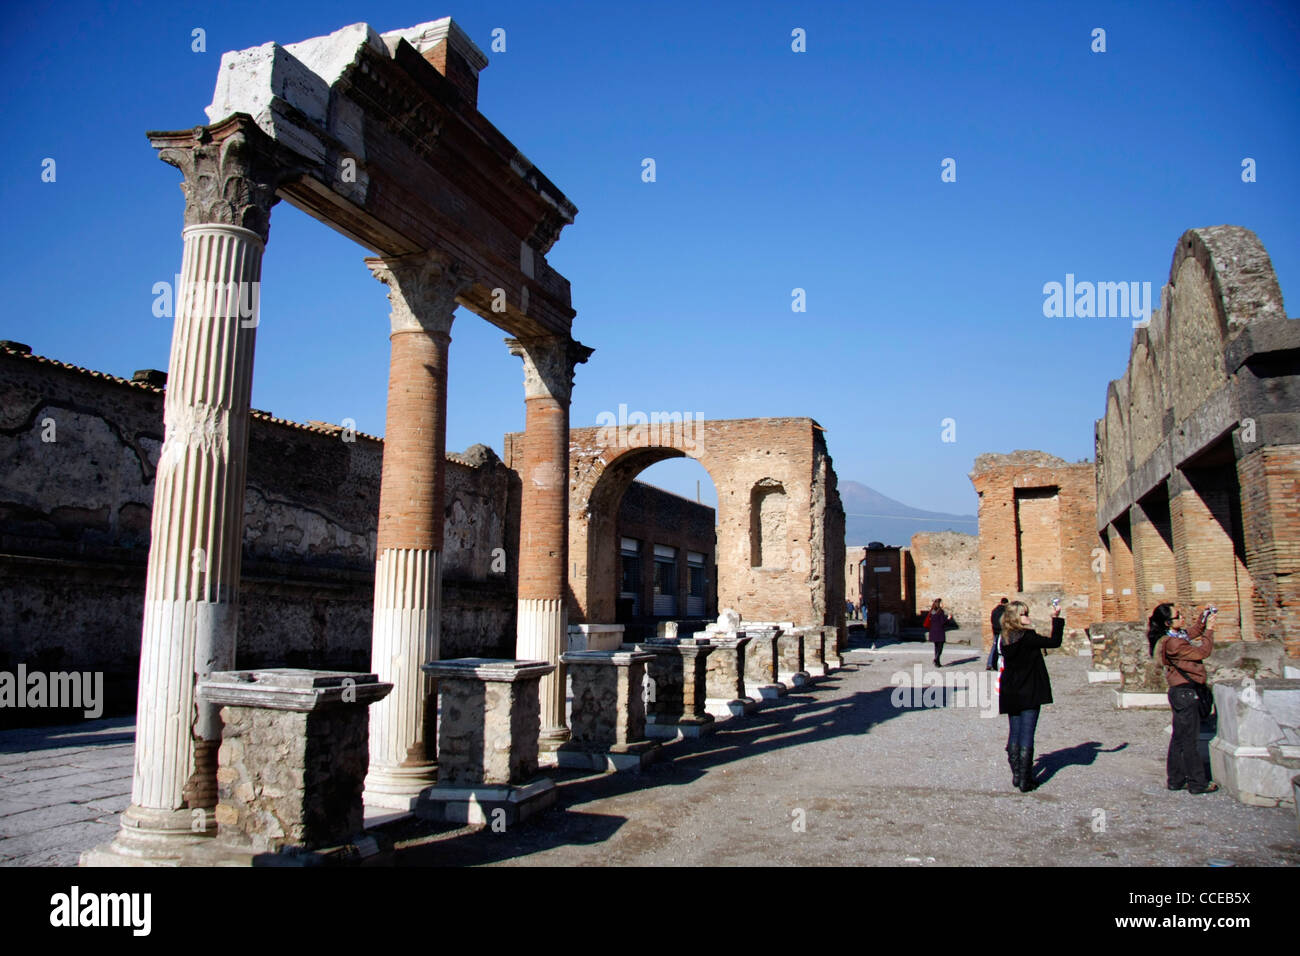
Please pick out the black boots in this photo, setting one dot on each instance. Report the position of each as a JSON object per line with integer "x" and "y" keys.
{"x": 1013, "y": 758}
{"x": 1026, "y": 770}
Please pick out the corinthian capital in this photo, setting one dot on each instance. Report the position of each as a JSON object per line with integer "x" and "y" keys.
{"x": 422, "y": 289}
{"x": 549, "y": 365}
{"x": 232, "y": 170}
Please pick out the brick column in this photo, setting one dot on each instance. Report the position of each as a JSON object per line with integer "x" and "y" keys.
{"x": 1205, "y": 562}
{"x": 1270, "y": 508}
{"x": 544, "y": 518}
{"x": 1122, "y": 580}
{"x": 1153, "y": 559}
{"x": 191, "y": 605}
{"x": 422, "y": 289}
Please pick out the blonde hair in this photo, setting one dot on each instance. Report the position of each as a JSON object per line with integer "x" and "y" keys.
{"x": 1011, "y": 624}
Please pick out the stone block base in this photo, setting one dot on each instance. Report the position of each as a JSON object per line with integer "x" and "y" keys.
{"x": 1104, "y": 677}
{"x": 371, "y": 850}
{"x": 1256, "y": 776}
{"x": 692, "y": 727}
{"x": 628, "y": 758}
{"x": 722, "y": 709}
{"x": 1132, "y": 700}
{"x": 770, "y": 691}
{"x": 478, "y": 806}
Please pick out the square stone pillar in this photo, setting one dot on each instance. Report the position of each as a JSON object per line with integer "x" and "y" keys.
{"x": 724, "y": 677}
{"x": 1123, "y": 583}
{"x": 1153, "y": 558}
{"x": 1206, "y": 561}
{"x": 832, "y": 637}
{"x": 293, "y": 757}
{"x": 608, "y": 721}
{"x": 761, "y": 664}
{"x": 678, "y": 705}
{"x": 790, "y": 660}
{"x": 487, "y": 742}
{"x": 814, "y": 661}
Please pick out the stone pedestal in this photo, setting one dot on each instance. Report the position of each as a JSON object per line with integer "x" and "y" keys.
{"x": 1142, "y": 677}
{"x": 677, "y": 707}
{"x": 1257, "y": 749}
{"x": 761, "y": 664}
{"x": 790, "y": 660}
{"x": 831, "y": 648}
{"x": 595, "y": 637}
{"x": 487, "y": 742}
{"x": 608, "y": 721}
{"x": 293, "y": 757}
{"x": 724, "y": 677}
{"x": 814, "y": 661}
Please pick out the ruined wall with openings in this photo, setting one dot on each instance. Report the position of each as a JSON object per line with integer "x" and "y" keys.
{"x": 1198, "y": 452}
{"x": 1037, "y": 535}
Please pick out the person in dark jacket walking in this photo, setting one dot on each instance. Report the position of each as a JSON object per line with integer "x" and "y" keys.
{"x": 938, "y": 626}
{"x": 1025, "y": 686}
{"x": 996, "y": 620}
{"x": 1182, "y": 651}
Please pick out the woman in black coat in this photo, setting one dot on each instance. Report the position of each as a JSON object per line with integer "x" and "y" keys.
{"x": 1024, "y": 686}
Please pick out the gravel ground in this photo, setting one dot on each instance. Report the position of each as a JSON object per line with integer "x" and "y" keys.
{"x": 839, "y": 775}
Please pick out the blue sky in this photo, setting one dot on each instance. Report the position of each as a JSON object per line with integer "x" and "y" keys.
{"x": 776, "y": 170}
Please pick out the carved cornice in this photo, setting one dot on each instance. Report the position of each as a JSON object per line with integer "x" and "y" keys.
{"x": 232, "y": 171}
{"x": 549, "y": 365}
{"x": 422, "y": 289}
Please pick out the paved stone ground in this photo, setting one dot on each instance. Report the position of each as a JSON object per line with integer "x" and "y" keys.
{"x": 884, "y": 786}
{"x": 876, "y": 784}
{"x": 61, "y": 789}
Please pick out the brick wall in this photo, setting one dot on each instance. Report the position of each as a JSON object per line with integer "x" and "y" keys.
{"x": 1038, "y": 522}
{"x": 785, "y": 455}
{"x": 652, "y": 517}
{"x": 947, "y": 566}
{"x": 75, "y": 519}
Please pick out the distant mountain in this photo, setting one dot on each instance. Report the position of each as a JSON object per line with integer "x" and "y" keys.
{"x": 871, "y": 516}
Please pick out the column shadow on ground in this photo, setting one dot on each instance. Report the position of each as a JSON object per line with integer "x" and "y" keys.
{"x": 93, "y": 733}
{"x": 799, "y": 718}
{"x": 1080, "y": 755}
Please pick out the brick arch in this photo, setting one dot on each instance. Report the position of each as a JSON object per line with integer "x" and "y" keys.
{"x": 737, "y": 454}
{"x": 1146, "y": 399}
{"x": 1115, "y": 452}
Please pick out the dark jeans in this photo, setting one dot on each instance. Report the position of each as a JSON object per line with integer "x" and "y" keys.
{"x": 993, "y": 654}
{"x": 1183, "y": 765}
{"x": 1022, "y": 728}
{"x": 938, "y": 649}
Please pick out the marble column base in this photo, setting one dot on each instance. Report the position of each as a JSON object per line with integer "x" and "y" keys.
{"x": 486, "y": 805}
{"x": 682, "y": 727}
{"x": 620, "y": 758}
{"x": 722, "y": 708}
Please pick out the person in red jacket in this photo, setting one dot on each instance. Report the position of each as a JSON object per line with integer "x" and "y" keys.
{"x": 1182, "y": 650}
{"x": 1025, "y": 686}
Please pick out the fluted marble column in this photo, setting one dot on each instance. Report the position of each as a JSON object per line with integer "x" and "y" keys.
{"x": 542, "y": 631}
{"x": 422, "y": 289}
{"x": 231, "y": 173}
